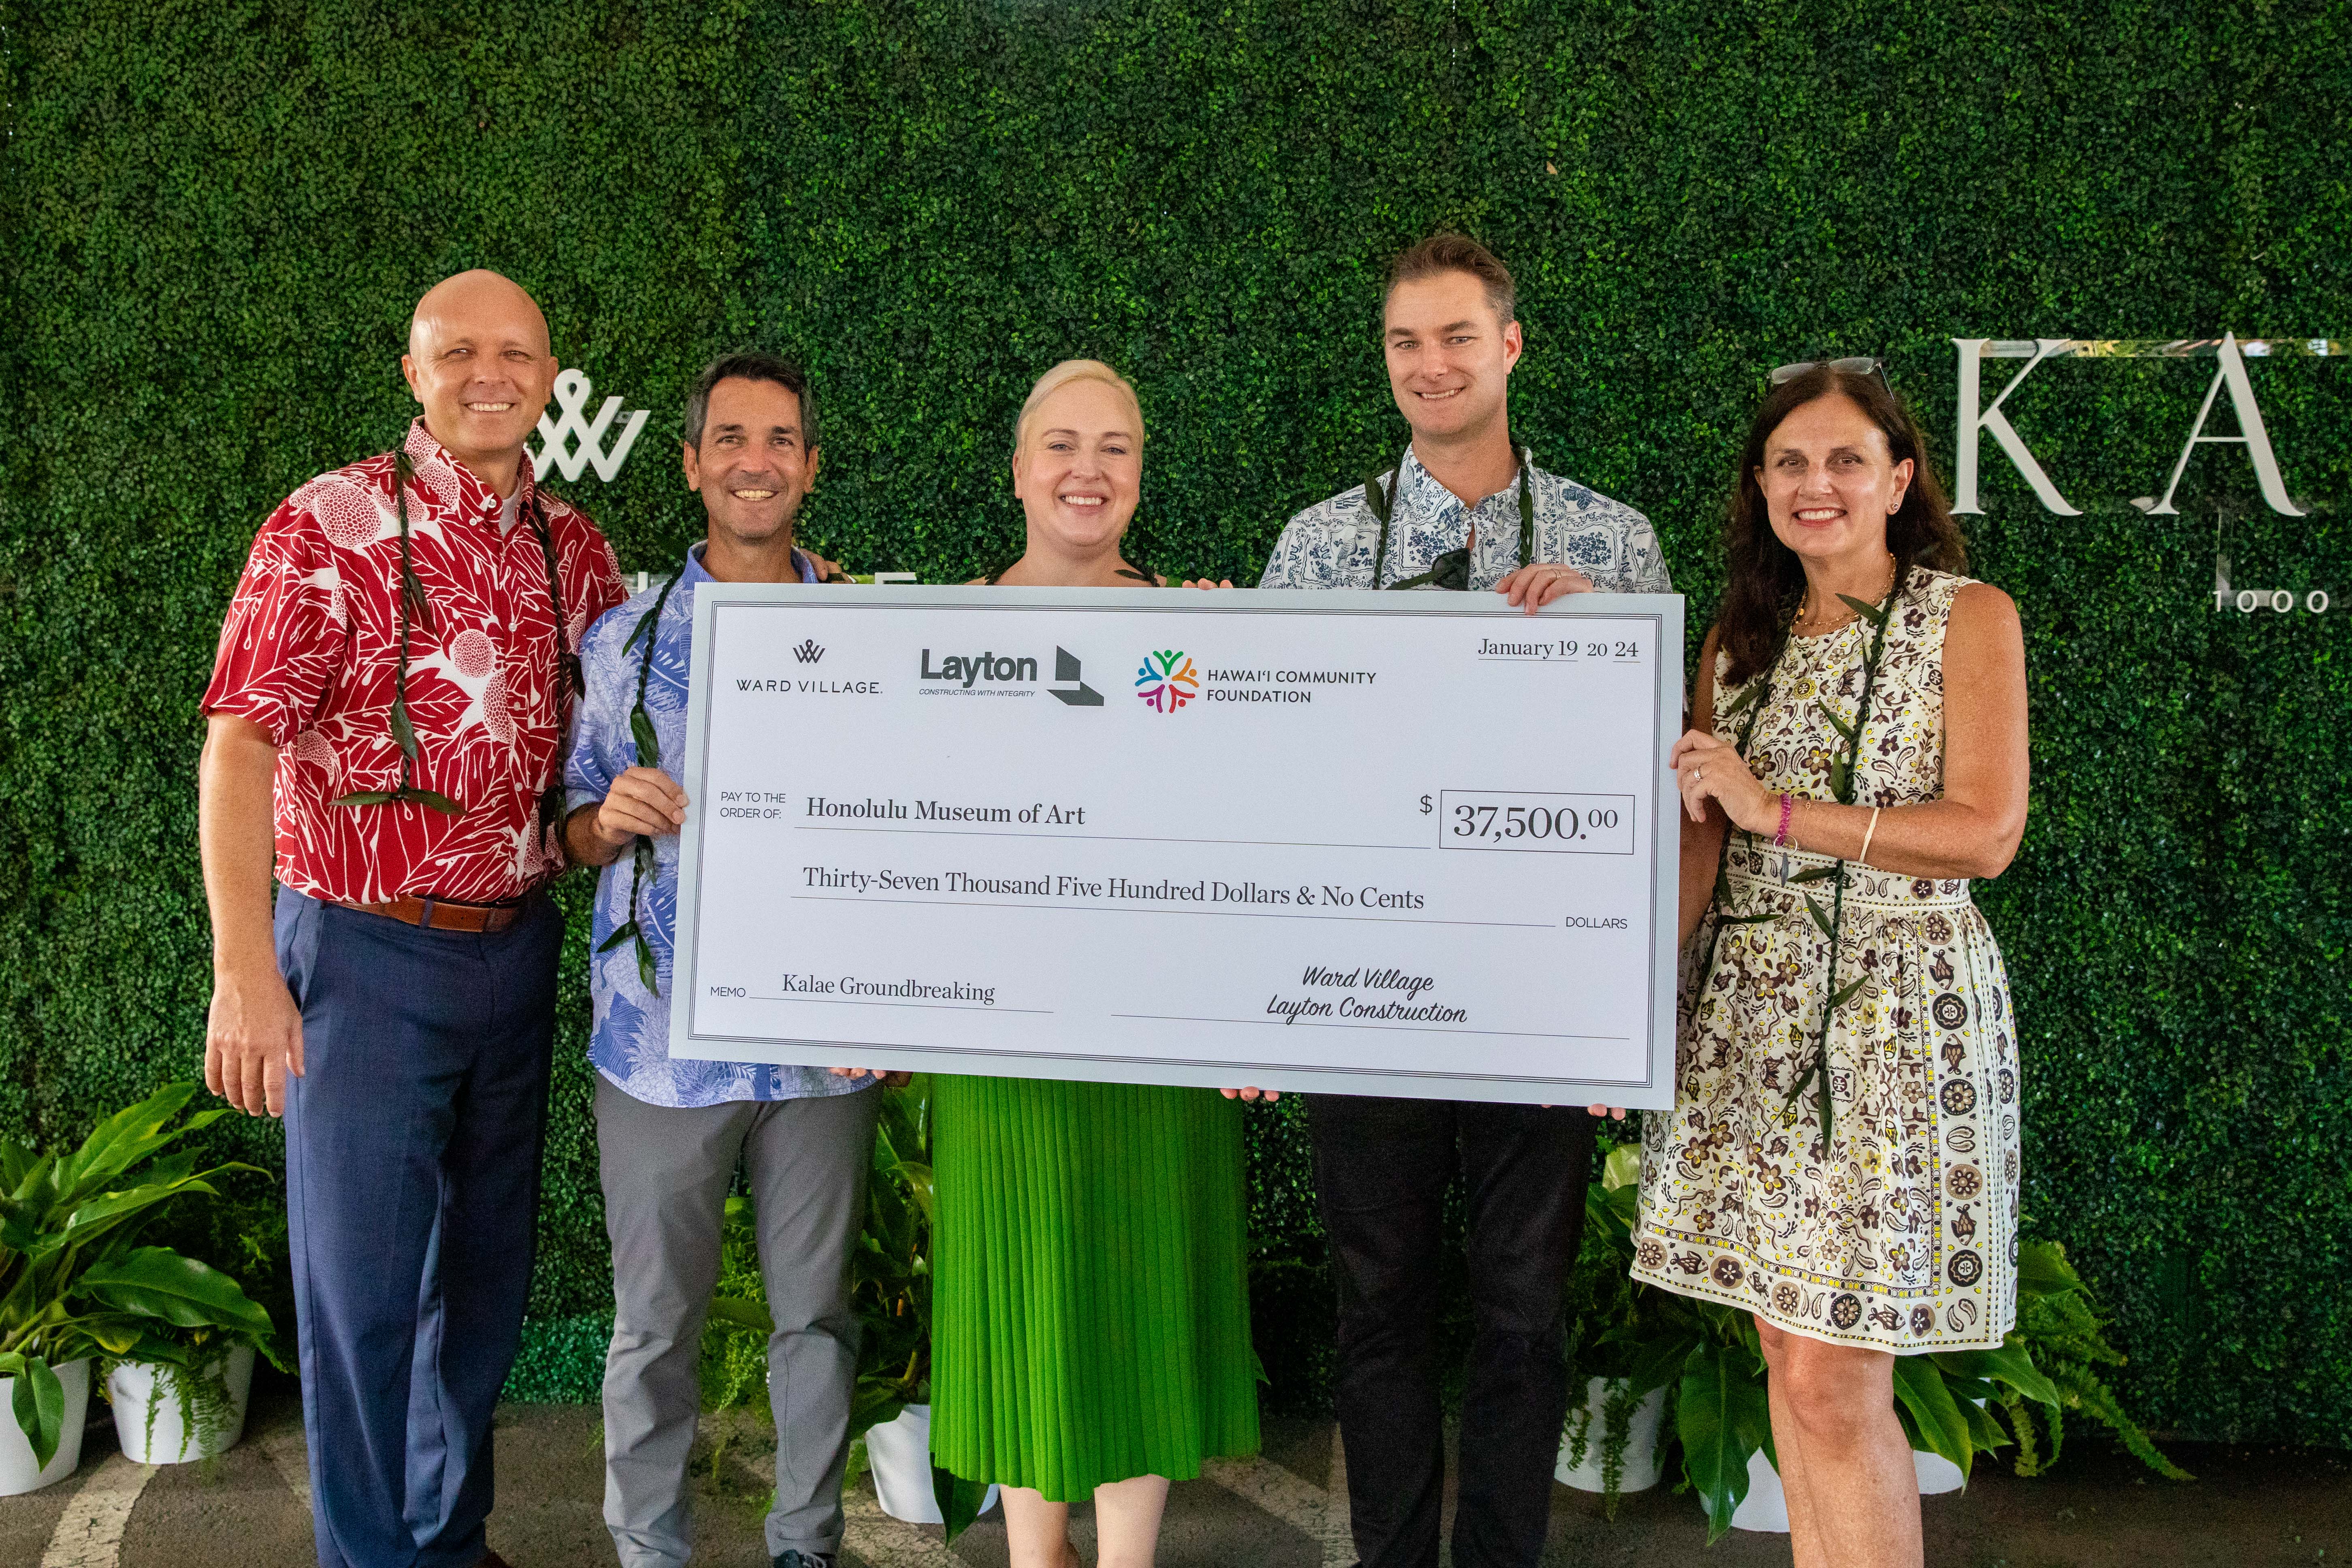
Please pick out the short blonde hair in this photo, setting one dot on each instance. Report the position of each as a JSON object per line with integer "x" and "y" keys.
{"x": 1062, "y": 375}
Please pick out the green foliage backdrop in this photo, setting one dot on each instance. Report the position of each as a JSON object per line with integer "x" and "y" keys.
{"x": 216, "y": 216}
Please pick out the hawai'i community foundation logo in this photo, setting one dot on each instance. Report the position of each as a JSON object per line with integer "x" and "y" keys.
{"x": 1167, "y": 681}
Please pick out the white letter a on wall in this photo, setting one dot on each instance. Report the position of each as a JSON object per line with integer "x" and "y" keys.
{"x": 1971, "y": 422}
{"x": 2232, "y": 373}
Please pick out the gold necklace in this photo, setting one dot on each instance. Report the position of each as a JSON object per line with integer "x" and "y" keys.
{"x": 1805, "y": 622}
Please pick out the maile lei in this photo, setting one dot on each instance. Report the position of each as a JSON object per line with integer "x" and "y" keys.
{"x": 1832, "y": 920}
{"x": 641, "y": 729}
{"x": 413, "y": 607}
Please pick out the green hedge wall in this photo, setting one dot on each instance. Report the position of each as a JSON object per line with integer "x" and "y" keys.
{"x": 217, "y": 216}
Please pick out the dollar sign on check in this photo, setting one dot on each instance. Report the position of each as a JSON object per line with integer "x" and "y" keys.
{"x": 1425, "y": 806}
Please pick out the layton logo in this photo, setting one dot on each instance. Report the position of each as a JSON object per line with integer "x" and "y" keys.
{"x": 808, "y": 652}
{"x": 1167, "y": 681}
{"x": 1066, "y": 674}
{"x": 572, "y": 443}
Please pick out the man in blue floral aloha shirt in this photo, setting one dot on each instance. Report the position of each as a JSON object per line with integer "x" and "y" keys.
{"x": 669, "y": 1134}
{"x": 1450, "y": 378}
{"x": 1466, "y": 507}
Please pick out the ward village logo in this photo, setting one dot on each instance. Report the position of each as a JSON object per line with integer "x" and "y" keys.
{"x": 807, "y": 651}
{"x": 1164, "y": 683}
{"x": 992, "y": 674}
{"x": 574, "y": 443}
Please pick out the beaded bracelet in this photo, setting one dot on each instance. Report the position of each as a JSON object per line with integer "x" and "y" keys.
{"x": 1788, "y": 810}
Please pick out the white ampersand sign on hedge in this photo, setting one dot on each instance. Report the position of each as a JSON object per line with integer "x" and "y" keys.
{"x": 572, "y": 443}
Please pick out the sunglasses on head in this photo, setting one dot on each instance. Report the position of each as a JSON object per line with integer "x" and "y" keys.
{"x": 1863, "y": 365}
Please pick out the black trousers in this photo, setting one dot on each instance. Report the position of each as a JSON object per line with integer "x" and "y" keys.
{"x": 1381, "y": 1168}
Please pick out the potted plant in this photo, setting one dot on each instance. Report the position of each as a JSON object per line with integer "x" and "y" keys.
{"x": 1703, "y": 1361}
{"x": 181, "y": 1395}
{"x": 890, "y": 1287}
{"x": 75, "y": 1285}
{"x": 1616, "y": 1439}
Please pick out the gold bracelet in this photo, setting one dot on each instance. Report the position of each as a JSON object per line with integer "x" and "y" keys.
{"x": 1864, "y": 858}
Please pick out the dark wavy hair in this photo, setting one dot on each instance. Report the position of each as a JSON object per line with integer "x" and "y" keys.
{"x": 1764, "y": 580}
{"x": 749, "y": 364}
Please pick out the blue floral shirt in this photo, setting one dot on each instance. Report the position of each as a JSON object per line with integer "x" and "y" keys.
{"x": 630, "y": 1041}
{"x": 1331, "y": 544}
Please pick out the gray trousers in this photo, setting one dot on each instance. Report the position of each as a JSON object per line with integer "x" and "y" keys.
{"x": 667, "y": 1172}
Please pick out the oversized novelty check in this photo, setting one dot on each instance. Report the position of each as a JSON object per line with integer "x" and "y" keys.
{"x": 1403, "y": 843}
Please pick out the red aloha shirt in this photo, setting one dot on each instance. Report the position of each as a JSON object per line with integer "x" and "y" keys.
{"x": 308, "y": 650}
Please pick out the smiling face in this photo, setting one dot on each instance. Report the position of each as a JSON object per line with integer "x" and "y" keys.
{"x": 478, "y": 360}
{"x": 1829, "y": 481}
{"x": 1449, "y": 357}
{"x": 1079, "y": 469}
{"x": 753, "y": 467}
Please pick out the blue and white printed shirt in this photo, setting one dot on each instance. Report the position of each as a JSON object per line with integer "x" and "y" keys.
{"x": 630, "y": 1042}
{"x": 1331, "y": 544}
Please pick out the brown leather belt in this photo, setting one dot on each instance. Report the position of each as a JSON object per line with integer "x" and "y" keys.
{"x": 439, "y": 914}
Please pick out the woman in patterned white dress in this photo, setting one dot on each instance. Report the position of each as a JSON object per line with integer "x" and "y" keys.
{"x": 1891, "y": 1230}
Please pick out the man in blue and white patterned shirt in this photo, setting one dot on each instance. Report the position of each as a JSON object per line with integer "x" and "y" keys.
{"x": 1452, "y": 343}
{"x": 1466, "y": 507}
{"x": 669, "y": 1134}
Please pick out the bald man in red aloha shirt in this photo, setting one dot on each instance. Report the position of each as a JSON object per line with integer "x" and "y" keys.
{"x": 385, "y": 728}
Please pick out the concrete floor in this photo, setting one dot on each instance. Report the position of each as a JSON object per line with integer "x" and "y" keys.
{"x": 2250, "y": 1508}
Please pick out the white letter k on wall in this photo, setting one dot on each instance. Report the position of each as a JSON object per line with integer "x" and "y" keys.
{"x": 1971, "y": 422}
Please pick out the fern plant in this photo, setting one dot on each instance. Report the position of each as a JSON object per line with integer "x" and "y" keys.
{"x": 192, "y": 1367}
{"x": 2060, "y": 1325}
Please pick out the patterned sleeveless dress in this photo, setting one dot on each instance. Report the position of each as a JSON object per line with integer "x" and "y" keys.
{"x": 1901, "y": 1235}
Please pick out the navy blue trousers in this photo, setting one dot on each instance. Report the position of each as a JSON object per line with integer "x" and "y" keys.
{"x": 412, "y": 1189}
{"x": 1381, "y": 1169}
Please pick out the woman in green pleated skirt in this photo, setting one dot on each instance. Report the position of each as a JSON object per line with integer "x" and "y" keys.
{"x": 1090, "y": 1314}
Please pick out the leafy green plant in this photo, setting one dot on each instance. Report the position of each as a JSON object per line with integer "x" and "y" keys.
{"x": 1706, "y": 1355}
{"x": 1611, "y": 1319}
{"x": 72, "y": 1282}
{"x": 734, "y": 1339}
{"x": 890, "y": 1289}
{"x": 890, "y": 1272}
{"x": 1956, "y": 1403}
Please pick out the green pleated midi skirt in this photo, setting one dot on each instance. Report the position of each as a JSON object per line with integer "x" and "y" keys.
{"x": 1090, "y": 1312}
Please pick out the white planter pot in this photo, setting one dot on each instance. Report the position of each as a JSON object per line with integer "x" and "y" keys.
{"x": 150, "y": 1422}
{"x": 1766, "y": 1507}
{"x": 17, "y": 1471}
{"x": 1936, "y": 1473}
{"x": 900, "y": 1454}
{"x": 1640, "y": 1471}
